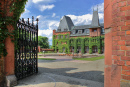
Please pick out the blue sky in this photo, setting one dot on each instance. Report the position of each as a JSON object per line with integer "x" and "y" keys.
{"x": 50, "y": 12}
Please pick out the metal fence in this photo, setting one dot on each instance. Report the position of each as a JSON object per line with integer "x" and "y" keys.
{"x": 26, "y": 48}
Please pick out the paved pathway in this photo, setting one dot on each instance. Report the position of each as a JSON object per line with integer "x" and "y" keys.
{"x": 66, "y": 72}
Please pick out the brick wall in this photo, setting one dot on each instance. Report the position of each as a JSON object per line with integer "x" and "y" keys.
{"x": 117, "y": 43}
{"x": 97, "y": 33}
{"x": 1, "y": 72}
{"x": 56, "y": 33}
{"x": 78, "y": 36}
{"x": 7, "y": 63}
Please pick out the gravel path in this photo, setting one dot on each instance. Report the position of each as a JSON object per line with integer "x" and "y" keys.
{"x": 66, "y": 72}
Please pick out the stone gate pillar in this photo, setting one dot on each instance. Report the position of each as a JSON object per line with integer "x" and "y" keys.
{"x": 117, "y": 43}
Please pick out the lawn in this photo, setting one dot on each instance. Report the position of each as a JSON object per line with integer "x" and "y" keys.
{"x": 46, "y": 59}
{"x": 90, "y": 59}
{"x": 46, "y": 53}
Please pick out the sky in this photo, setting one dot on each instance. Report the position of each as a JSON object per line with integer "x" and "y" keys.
{"x": 50, "y": 12}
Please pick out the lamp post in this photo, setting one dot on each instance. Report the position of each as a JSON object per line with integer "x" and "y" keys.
{"x": 44, "y": 53}
{"x": 73, "y": 54}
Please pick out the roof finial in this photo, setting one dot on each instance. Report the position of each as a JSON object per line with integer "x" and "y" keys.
{"x": 93, "y": 8}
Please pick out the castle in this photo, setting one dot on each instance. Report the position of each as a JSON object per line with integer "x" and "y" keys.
{"x": 69, "y": 38}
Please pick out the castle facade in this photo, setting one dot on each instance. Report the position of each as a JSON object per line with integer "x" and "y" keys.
{"x": 69, "y": 38}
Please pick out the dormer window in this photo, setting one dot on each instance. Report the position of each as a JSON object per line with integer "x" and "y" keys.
{"x": 87, "y": 31}
{"x": 83, "y": 31}
{"x": 65, "y": 29}
{"x": 59, "y": 30}
{"x": 76, "y": 31}
{"x": 80, "y": 32}
{"x": 73, "y": 32}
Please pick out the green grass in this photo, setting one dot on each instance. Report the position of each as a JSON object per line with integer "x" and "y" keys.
{"x": 46, "y": 53}
{"x": 90, "y": 59}
{"x": 46, "y": 59}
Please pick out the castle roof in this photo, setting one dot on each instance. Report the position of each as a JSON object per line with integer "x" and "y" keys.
{"x": 81, "y": 27}
{"x": 95, "y": 20}
{"x": 65, "y": 23}
{"x": 87, "y": 26}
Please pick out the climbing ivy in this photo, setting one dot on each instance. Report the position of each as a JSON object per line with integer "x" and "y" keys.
{"x": 16, "y": 7}
{"x": 77, "y": 42}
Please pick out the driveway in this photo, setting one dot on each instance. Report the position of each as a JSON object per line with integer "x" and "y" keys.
{"x": 66, "y": 72}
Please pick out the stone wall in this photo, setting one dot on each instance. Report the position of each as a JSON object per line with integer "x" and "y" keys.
{"x": 117, "y": 43}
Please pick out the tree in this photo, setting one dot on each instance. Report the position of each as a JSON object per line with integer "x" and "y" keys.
{"x": 43, "y": 42}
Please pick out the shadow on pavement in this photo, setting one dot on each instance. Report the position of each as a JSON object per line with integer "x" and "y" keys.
{"x": 89, "y": 75}
{"x": 60, "y": 75}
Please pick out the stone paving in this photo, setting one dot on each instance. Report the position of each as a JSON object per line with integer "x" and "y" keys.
{"x": 66, "y": 72}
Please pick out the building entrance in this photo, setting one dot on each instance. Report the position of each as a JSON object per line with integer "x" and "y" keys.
{"x": 94, "y": 49}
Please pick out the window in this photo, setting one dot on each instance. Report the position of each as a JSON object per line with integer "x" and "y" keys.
{"x": 73, "y": 32}
{"x": 65, "y": 36}
{"x": 59, "y": 30}
{"x": 102, "y": 30}
{"x": 95, "y": 30}
{"x": 80, "y": 31}
{"x": 83, "y": 31}
{"x": 87, "y": 31}
{"x": 61, "y": 36}
{"x": 76, "y": 31}
{"x": 88, "y": 49}
{"x": 65, "y": 29}
{"x": 71, "y": 41}
{"x": 57, "y": 37}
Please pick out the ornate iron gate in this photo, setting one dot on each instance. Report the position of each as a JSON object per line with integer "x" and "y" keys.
{"x": 26, "y": 48}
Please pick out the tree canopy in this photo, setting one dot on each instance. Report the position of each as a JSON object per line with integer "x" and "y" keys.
{"x": 43, "y": 42}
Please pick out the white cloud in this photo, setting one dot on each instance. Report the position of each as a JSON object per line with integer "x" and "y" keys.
{"x": 25, "y": 14}
{"x": 41, "y": 17}
{"x": 100, "y": 7}
{"x": 101, "y": 17}
{"x": 84, "y": 19}
{"x": 44, "y": 7}
{"x": 50, "y": 38}
{"x": 26, "y": 11}
{"x": 28, "y": 4}
{"x": 36, "y": 1}
{"x": 51, "y": 25}
{"x": 81, "y": 20}
{"x": 54, "y": 14}
{"x": 44, "y": 1}
{"x": 87, "y": 18}
{"x": 46, "y": 27}
{"x": 46, "y": 32}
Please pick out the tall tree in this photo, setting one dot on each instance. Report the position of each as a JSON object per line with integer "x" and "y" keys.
{"x": 43, "y": 42}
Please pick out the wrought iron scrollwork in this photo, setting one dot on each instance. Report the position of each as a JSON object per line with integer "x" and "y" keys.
{"x": 27, "y": 46}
